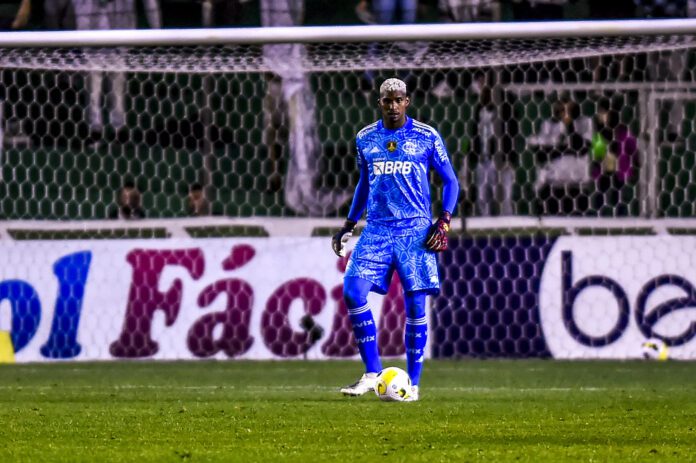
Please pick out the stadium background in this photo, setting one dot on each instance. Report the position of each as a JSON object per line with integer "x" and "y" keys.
{"x": 490, "y": 305}
{"x": 258, "y": 281}
{"x": 57, "y": 178}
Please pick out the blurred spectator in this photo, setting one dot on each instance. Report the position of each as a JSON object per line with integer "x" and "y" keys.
{"x": 610, "y": 68}
{"x": 660, "y": 8}
{"x": 128, "y": 203}
{"x": 484, "y": 141}
{"x": 494, "y": 174}
{"x": 552, "y": 131}
{"x": 508, "y": 154}
{"x": 59, "y": 15}
{"x": 290, "y": 113}
{"x": 101, "y": 15}
{"x": 13, "y": 17}
{"x": 466, "y": 10}
{"x": 538, "y": 10}
{"x": 616, "y": 164}
{"x": 477, "y": 83}
{"x": 364, "y": 12}
{"x": 394, "y": 11}
{"x": 667, "y": 65}
{"x": 460, "y": 11}
{"x": 391, "y": 12}
{"x": 575, "y": 122}
{"x": 223, "y": 13}
{"x": 563, "y": 180}
{"x": 620, "y": 160}
{"x": 196, "y": 203}
{"x": 471, "y": 148}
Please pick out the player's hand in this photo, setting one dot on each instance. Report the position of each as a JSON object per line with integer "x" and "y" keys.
{"x": 436, "y": 240}
{"x": 339, "y": 240}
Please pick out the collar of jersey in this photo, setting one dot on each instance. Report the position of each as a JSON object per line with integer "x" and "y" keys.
{"x": 407, "y": 125}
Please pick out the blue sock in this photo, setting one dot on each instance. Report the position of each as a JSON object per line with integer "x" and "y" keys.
{"x": 355, "y": 292}
{"x": 416, "y": 334}
{"x": 365, "y": 333}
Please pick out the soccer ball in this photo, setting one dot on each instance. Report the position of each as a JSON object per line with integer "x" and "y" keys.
{"x": 393, "y": 385}
{"x": 655, "y": 349}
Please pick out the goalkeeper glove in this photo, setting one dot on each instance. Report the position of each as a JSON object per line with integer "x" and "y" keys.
{"x": 339, "y": 240}
{"x": 436, "y": 240}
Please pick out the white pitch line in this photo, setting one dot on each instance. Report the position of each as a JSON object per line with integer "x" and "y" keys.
{"x": 465, "y": 389}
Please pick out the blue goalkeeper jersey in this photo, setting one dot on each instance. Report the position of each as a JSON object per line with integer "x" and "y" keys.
{"x": 397, "y": 163}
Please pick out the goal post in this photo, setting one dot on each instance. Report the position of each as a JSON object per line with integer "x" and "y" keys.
{"x": 169, "y": 194}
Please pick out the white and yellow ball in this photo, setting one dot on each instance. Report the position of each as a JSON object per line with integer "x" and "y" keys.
{"x": 393, "y": 385}
{"x": 655, "y": 349}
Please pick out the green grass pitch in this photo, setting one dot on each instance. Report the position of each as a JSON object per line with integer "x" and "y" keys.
{"x": 470, "y": 410}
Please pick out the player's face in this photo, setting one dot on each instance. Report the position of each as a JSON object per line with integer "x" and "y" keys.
{"x": 393, "y": 106}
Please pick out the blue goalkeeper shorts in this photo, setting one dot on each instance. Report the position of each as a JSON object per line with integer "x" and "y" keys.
{"x": 380, "y": 250}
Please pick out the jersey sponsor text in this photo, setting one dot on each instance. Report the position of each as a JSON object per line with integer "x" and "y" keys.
{"x": 392, "y": 167}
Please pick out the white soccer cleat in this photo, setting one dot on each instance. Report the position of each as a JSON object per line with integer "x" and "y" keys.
{"x": 414, "y": 395}
{"x": 366, "y": 383}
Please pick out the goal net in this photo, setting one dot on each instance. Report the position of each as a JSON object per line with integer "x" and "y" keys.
{"x": 170, "y": 194}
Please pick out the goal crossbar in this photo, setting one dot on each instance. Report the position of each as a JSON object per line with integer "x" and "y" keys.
{"x": 335, "y": 34}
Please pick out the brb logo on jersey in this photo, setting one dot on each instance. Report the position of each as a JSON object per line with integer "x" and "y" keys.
{"x": 391, "y": 167}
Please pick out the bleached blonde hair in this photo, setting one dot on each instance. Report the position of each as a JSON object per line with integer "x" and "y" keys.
{"x": 392, "y": 85}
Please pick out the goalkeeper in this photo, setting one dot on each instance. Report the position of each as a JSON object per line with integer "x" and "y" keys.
{"x": 394, "y": 156}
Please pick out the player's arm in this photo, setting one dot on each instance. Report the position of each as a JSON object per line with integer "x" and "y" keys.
{"x": 437, "y": 235}
{"x": 357, "y": 208}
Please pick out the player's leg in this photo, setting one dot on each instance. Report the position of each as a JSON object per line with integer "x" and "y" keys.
{"x": 416, "y": 334}
{"x": 355, "y": 291}
{"x": 369, "y": 269}
{"x": 417, "y": 269}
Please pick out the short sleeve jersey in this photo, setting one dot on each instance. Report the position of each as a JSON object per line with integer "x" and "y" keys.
{"x": 397, "y": 163}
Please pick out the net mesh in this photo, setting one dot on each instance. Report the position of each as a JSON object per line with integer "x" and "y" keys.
{"x": 323, "y": 57}
{"x": 246, "y": 123}
{"x": 577, "y": 127}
